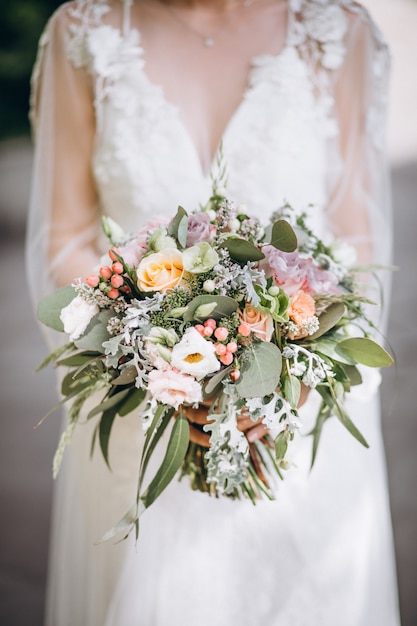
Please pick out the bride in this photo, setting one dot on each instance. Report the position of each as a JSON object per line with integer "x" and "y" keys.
{"x": 130, "y": 103}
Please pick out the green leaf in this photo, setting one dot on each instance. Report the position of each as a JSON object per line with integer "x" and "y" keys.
{"x": 133, "y": 400}
{"x": 329, "y": 318}
{"x": 327, "y": 347}
{"x": 176, "y": 449}
{"x": 127, "y": 377}
{"x": 353, "y": 375}
{"x": 259, "y": 375}
{"x": 157, "y": 429}
{"x": 329, "y": 397}
{"x": 53, "y": 356}
{"x": 178, "y": 226}
{"x": 110, "y": 403}
{"x": 225, "y": 306}
{"x": 283, "y": 236}
{"x": 365, "y": 351}
{"x": 50, "y": 307}
{"x": 79, "y": 359}
{"x": 125, "y": 525}
{"x": 241, "y": 250}
{"x": 105, "y": 427}
{"x": 281, "y": 445}
{"x": 215, "y": 381}
{"x": 322, "y": 415}
{"x": 95, "y": 334}
{"x": 292, "y": 390}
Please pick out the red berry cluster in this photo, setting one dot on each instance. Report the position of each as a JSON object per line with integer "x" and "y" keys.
{"x": 225, "y": 349}
{"x": 110, "y": 280}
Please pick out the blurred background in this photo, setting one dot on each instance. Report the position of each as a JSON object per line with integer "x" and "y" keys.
{"x": 26, "y": 454}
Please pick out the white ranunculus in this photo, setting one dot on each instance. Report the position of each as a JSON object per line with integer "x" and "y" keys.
{"x": 77, "y": 315}
{"x": 194, "y": 355}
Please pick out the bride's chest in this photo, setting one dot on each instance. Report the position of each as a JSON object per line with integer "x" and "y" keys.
{"x": 146, "y": 160}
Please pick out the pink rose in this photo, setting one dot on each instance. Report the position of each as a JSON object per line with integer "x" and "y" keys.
{"x": 321, "y": 281}
{"x": 172, "y": 388}
{"x": 198, "y": 229}
{"x": 288, "y": 269}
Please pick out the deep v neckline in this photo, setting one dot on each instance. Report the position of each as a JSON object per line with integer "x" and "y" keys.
{"x": 249, "y": 89}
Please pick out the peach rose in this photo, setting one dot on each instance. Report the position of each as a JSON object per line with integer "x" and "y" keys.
{"x": 160, "y": 271}
{"x": 260, "y": 323}
{"x": 301, "y": 307}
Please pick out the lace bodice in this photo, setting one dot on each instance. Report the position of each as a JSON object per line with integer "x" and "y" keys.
{"x": 276, "y": 145}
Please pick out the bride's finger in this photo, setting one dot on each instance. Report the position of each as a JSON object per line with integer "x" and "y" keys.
{"x": 198, "y": 437}
{"x": 244, "y": 422}
{"x": 256, "y": 433}
{"x": 198, "y": 416}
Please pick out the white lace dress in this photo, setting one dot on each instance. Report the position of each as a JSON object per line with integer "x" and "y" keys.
{"x": 307, "y": 131}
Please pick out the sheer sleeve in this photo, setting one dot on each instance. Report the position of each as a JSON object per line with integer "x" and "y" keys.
{"x": 63, "y": 216}
{"x": 360, "y": 202}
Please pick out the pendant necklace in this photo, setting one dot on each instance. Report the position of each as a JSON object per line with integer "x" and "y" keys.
{"x": 208, "y": 40}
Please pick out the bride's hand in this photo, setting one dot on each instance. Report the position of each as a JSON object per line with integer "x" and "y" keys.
{"x": 253, "y": 430}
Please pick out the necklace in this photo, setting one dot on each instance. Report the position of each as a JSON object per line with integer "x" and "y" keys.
{"x": 208, "y": 40}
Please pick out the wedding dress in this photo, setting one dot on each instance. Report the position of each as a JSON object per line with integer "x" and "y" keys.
{"x": 309, "y": 130}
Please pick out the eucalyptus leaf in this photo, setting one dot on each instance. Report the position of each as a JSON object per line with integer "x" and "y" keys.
{"x": 259, "y": 375}
{"x": 215, "y": 381}
{"x": 329, "y": 318}
{"x": 176, "y": 449}
{"x": 225, "y": 306}
{"x": 178, "y": 226}
{"x": 365, "y": 351}
{"x": 281, "y": 445}
{"x": 110, "y": 403}
{"x": 322, "y": 415}
{"x": 95, "y": 334}
{"x": 327, "y": 347}
{"x": 330, "y": 399}
{"x": 292, "y": 390}
{"x": 50, "y": 307}
{"x": 79, "y": 359}
{"x": 283, "y": 236}
{"x": 127, "y": 376}
{"x": 104, "y": 431}
{"x": 353, "y": 375}
{"x": 125, "y": 525}
{"x": 132, "y": 401}
{"x": 241, "y": 250}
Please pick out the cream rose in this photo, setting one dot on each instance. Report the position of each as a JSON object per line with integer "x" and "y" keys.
{"x": 160, "y": 271}
{"x": 172, "y": 388}
{"x": 260, "y": 323}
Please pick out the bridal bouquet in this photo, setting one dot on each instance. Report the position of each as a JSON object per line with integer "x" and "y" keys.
{"x": 212, "y": 305}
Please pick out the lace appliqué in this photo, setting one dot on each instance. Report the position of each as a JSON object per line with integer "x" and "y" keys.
{"x": 86, "y": 14}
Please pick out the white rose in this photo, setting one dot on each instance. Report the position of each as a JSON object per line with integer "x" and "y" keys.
{"x": 194, "y": 355}
{"x": 76, "y": 316}
{"x": 325, "y": 24}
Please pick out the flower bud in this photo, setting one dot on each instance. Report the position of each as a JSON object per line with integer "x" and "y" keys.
{"x": 221, "y": 333}
{"x": 92, "y": 280}
{"x": 105, "y": 272}
{"x": 113, "y": 293}
{"x": 227, "y": 359}
{"x": 116, "y": 281}
{"x": 209, "y": 286}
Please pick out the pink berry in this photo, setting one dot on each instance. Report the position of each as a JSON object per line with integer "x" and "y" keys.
{"x": 116, "y": 281}
{"x": 208, "y": 331}
{"x": 220, "y": 349}
{"x": 211, "y": 323}
{"x": 221, "y": 333}
{"x": 227, "y": 358}
{"x": 92, "y": 280}
{"x": 105, "y": 272}
{"x": 231, "y": 347}
{"x": 117, "y": 267}
{"x": 199, "y": 328}
{"x": 113, "y": 293}
{"x": 234, "y": 375}
{"x": 112, "y": 255}
{"x": 244, "y": 329}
